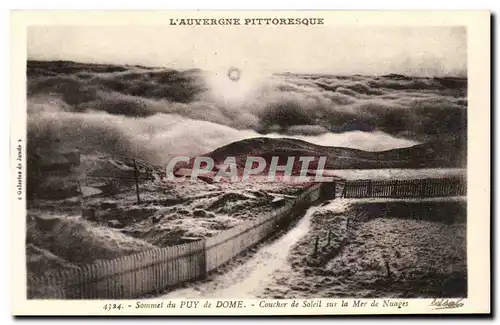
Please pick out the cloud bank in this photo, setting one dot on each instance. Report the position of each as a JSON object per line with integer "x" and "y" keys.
{"x": 158, "y": 113}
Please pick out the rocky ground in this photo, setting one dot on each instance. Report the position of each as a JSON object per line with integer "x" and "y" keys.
{"x": 69, "y": 232}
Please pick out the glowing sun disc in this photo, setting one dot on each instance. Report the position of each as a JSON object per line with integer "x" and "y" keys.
{"x": 234, "y": 74}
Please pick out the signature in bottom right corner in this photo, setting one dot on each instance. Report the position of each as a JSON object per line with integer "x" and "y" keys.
{"x": 442, "y": 303}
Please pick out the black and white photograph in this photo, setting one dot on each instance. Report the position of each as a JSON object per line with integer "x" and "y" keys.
{"x": 247, "y": 157}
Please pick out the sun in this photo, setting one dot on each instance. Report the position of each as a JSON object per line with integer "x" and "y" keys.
{"x": 234, "y": 74}
{"x": 232, "y": 85}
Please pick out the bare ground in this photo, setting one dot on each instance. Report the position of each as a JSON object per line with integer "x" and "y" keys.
{"x": 373, "y": 256}
{"x": 364, "y": 249}
{"x": 168, "y": 214}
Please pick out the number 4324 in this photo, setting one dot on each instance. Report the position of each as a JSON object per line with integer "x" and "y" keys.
{"x": 109, "y": 307}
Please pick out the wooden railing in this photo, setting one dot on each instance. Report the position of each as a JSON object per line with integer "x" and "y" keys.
{"x": 155, "y": 270}
{"x": 414, "y": 188}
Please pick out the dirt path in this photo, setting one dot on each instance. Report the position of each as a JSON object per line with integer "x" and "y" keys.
{"x": 250, "y": 279}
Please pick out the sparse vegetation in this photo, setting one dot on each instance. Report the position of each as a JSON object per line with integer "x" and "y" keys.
{"x": 398, "y": 254}
{"x": 112, "y": 224}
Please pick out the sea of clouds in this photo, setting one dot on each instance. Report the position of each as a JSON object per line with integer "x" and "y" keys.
{"x": 160, "y": 113}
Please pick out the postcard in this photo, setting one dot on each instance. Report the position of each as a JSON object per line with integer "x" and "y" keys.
{"x": 250, "y": 162}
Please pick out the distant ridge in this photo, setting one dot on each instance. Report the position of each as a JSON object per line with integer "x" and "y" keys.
{"x": 450, "y": 152}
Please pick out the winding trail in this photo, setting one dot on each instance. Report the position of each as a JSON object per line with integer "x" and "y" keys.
{"x": 248, "y": 280}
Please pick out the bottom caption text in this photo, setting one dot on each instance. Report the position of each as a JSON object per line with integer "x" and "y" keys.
{"x": 260, "y": 304}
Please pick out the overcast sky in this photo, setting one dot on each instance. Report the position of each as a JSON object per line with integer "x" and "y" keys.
{"x": 314, "y": 49}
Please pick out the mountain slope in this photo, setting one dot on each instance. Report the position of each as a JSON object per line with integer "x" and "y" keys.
{"x": 445, "y": 153}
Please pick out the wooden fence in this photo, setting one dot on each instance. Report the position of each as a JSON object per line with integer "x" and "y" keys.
{"x": 223, "y": 247}
{"x": 125, "y": 277}
{"x": 153, "y": 271}
{"x": 228, "y": 244}
{"x": 414, "y": 188}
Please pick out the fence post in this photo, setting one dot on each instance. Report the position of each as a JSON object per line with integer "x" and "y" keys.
{"x": 329, "y": 237}
{"x": 316, "y": 246}
{"x": 462, "y": 187}
{"x": 423, "y": 187}
{"x": 369, "y": 189}
{"x": 388, "y": 268}
{"x": 204, "y": 264}
{"x": 136, "y": 176}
